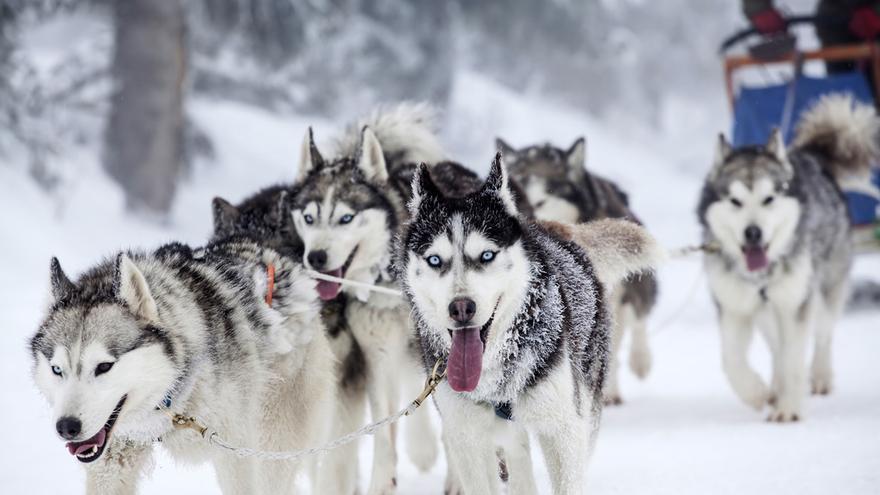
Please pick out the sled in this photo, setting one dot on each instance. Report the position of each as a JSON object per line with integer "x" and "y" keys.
{"x": 757, "y": 110}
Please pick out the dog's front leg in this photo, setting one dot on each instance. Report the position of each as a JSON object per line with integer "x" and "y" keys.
{"x": 119, "y": 469}
{"x": 518, "y": 458}
{"x": 793, "y": 324}
{"x": 736, "y": 335}
{"x": 383, "y": 478}
{"x": 467, "y": 434}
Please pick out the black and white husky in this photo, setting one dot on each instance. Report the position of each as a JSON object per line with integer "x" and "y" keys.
{"x": 347, "y": 209}
{"x": 517, "y": 311}
{"x": 782, "y": 229}
{"x": 560, "y": 188}
{"x": 191, "y": 332}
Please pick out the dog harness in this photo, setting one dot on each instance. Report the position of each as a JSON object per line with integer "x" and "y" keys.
{"x": 270, "y": 283}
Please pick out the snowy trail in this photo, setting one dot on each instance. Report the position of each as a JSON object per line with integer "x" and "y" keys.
{"x": 681, "y": 431}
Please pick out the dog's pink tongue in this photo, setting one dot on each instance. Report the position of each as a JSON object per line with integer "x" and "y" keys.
{"x": 465, "y": 359}
{"x": 756, "y": 258}
{"x": 96, "y": 441}
{"x": 329, "y": 290}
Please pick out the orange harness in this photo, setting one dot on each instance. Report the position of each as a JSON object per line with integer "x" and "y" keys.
{"x": 270, "y": 286}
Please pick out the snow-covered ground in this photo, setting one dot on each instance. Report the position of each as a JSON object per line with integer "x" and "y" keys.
{"x": 681, "y": 431}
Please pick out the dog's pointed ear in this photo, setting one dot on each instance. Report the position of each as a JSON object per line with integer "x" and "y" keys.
{"x": 497, "y": 184}
{"x": 60, "y": 284}
{"x": 423, "y": 187}
{"x": 372, "y": 159}
{"x": 225, "y": 216}
{"x": 507, "y": 151}
{"x": 722, "y": 152}
{"x": 776, "y": 147}
{"x": 576, "y": 157}
{"x": 309, "y": 156}
{"x": 280, "y": 207}
{"x": 132, "y": 289}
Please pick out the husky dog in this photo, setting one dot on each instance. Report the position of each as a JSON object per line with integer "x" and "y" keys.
{"x": 263, "y": 217}
{"x": 189, "y": 332}
{"x": 517, "y": 311}
{"x": 560, "y": 188}
{"x": 347, "y": 210}
{"x": 782, "y": 229}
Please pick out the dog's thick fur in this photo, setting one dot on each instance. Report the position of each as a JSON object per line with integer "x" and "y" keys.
{"x": 347, "y": 210}
{"x": 560, "y": 188}
{"x": 539, "y": 309}
{"x": 189, "y": 330}
{"x": 782, "y": 227}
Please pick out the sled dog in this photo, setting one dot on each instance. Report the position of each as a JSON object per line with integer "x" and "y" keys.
{"x": 347, "y": 210}
{"x": 205, "y": 333}
{"x": 781, "y": 225}
{"x": 560, "y": 188}
{"x": 516, "y": 311}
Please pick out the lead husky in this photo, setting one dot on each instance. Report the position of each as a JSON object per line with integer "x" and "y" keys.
{"x": 190, "y": 332}
{"x": 560, "y": 188}
{"x": 347, "y": 210}
{"x": 781, "y": 224}
{"x": 517, "y": 311}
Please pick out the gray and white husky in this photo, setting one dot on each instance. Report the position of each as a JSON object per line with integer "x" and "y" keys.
{"x": 782, "y": 229}
{"x": 190, "y": 332}
{"x": 347, "y": 210}
{"x": 560, "y": 188}
{"x": 517, "y": 312}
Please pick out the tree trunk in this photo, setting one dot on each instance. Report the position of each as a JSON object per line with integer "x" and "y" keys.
{"x": 143, "y": 141}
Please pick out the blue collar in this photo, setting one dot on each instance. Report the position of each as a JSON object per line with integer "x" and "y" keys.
{"x": 504, "y": 411}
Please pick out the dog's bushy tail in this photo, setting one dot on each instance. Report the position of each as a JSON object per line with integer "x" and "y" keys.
{"x": 842, "y": 131}
{"x": 617, "y": 248}
{"x": 406, "y": 131}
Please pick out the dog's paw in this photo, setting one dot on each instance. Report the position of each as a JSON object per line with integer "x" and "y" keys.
{"x": 780, "y": 415}
{"x": 423, "y": 453}
{"x": 640, "y": 361}
{"x": 612, "y": 399}
{"x": 752, "y": 390}
{"x": 820, "y": 382}
{"x": 451, "y": 486}
{"x": 388, "y": 487}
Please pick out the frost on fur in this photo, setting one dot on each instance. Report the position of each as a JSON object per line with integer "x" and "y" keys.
{"x": 843, "y": 130}
{"x": 617, "y": 248}
{"x": 407, "y": 128}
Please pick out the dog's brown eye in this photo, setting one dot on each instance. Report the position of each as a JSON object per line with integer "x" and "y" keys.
{"x": 736, "y": 202}
{"x": 103, "y": 368}
{"x": 768, "y": 200}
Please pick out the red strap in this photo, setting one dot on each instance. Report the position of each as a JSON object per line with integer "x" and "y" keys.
{"x": 270, "y": 288}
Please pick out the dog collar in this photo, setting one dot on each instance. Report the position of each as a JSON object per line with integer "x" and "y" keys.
{"x": 504, "y": 411}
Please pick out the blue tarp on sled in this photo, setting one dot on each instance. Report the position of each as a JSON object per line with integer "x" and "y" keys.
{"x": 757, "y": 111}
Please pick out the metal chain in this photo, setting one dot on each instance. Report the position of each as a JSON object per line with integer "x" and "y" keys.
{"x": 181, "y": 421}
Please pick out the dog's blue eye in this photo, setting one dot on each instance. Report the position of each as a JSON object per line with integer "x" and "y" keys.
{"x": 736, "y": 202}
{"x": 309, "y": 219}
{"x": 768, "y": 200}
{"x": 56, "y": 370}
{"x": 434, "y": 261}
{"x": 347, "y": 218}
{"x": 487, "y": 256}
{"x": 103, "y": 368}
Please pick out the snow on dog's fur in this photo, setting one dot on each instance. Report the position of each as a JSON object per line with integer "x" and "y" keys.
{"x": 190, "y": 331}
{"x": 782, "y": 227}
{"x": 517, "y": 311}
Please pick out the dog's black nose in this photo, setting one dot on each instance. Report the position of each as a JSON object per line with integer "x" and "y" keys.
{"x": 462, "y": 309}
{"x": 68, "y": 427}
{"x": 753, "y": 235}
{"x": 317, "y": 259}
